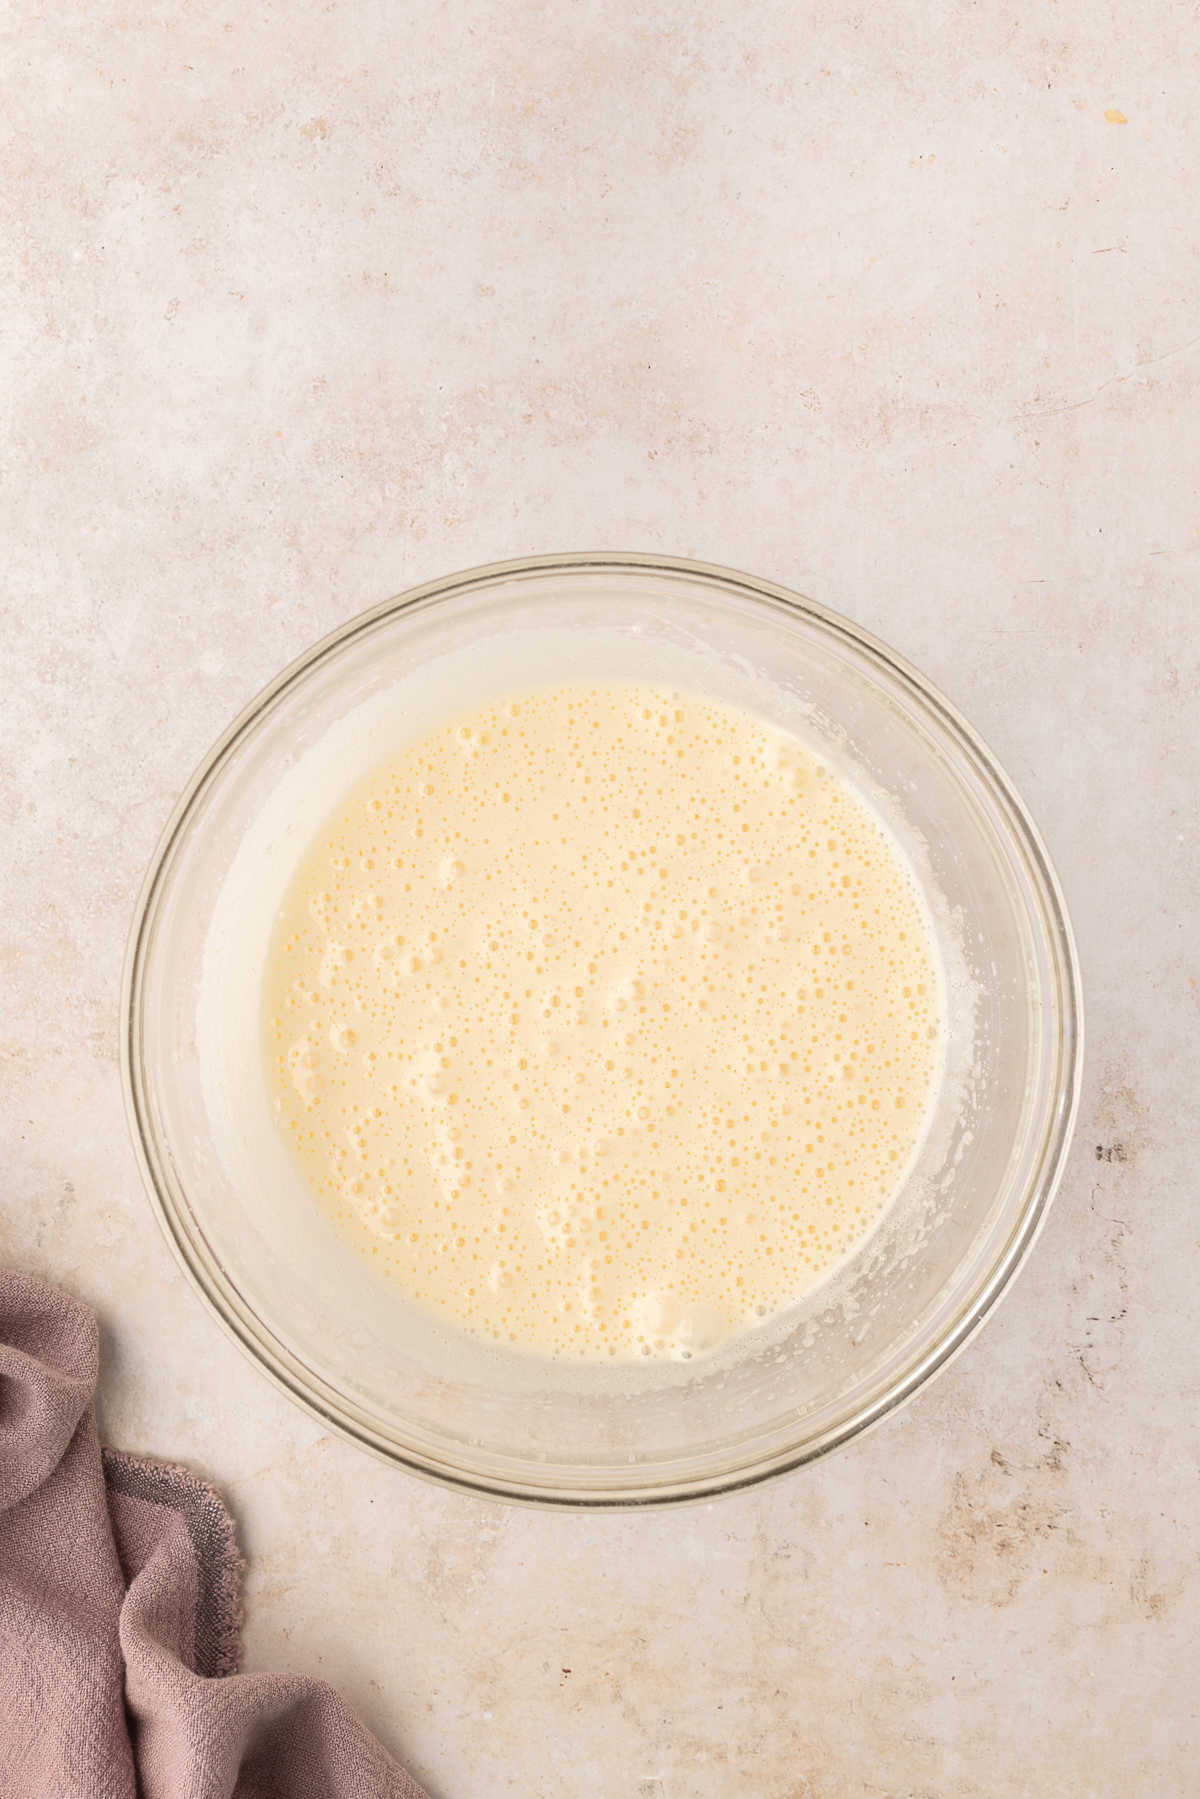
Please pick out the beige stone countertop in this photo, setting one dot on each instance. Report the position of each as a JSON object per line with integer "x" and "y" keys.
{"x": 900, "y": 306}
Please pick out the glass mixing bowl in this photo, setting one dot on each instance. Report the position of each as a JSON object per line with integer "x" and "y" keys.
{"x": 304, "y": 1305}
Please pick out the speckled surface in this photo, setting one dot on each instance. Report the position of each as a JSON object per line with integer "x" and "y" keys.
{"x": 901, "y": 307}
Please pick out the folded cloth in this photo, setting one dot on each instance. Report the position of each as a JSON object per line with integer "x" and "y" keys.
{"x": 120, "y": 1610}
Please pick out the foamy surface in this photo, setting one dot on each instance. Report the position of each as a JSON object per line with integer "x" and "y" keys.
{"x": 605, "y": 1020}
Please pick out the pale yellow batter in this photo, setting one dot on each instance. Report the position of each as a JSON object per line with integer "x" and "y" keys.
{"x": 605, "y": 1019}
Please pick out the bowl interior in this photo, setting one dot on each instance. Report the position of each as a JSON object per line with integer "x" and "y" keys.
{"x": 306, "y": 1305}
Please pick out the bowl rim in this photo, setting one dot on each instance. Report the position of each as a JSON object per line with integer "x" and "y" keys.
{"x": 287, "y": 1372}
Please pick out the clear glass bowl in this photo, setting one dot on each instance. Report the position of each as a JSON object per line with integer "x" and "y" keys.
{"x": 305, "y": 1307}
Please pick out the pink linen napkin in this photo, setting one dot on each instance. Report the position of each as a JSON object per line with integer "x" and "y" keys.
{"x": 120, "y": 1610}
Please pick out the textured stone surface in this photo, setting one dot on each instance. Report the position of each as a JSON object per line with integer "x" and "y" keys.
{"x": 899, "y": 306}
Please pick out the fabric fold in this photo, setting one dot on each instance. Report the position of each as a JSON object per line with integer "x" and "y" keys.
{"x": 121, "y": 1610}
